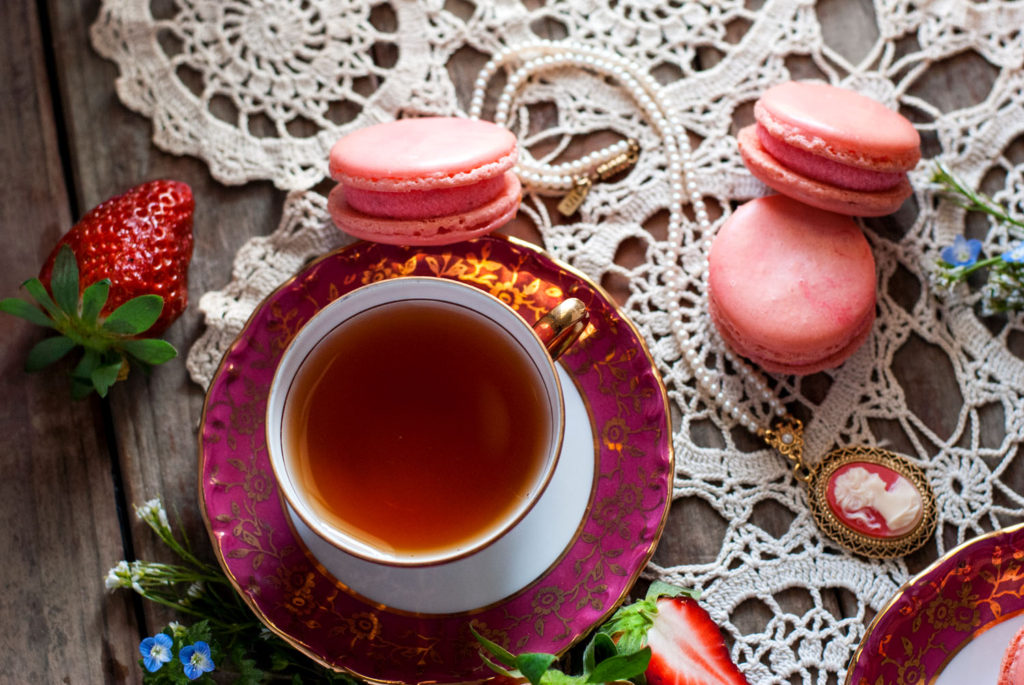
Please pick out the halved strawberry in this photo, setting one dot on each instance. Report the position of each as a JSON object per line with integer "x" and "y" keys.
{"x": 666, "y": 638}
{"x": 687, "y": 647}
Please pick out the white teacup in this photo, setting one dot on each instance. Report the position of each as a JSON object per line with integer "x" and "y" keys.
{"x": 415, "y": 421}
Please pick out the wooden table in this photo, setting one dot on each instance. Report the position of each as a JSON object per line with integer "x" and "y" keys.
{"x": 73, "y": 470}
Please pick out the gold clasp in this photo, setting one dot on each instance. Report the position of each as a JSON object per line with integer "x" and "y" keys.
{"x": 787, "y": 437}
{"x": 619, "y": 162}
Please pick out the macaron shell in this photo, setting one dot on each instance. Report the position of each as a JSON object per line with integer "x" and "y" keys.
{"x": 422, "y": 153}
{"x": 1011, "y": 671}
{"x": 817, "y": 193}
{"x": 428, "y": 231}
{"x": 791, "y": 287}
{"x": 776, "y": 361}
{"x": 839, "y": 124}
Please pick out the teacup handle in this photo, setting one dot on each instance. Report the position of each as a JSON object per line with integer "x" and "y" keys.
{"x": 559, "y": 328}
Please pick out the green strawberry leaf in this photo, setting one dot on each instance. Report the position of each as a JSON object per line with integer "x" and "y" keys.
{"x": 662, "y": 589}
{"x": 497, "y": 668}
{"x": 64, "y": 280}
{"x": 105, "y": 375}
{"x": 22, "y": 309}
{"x": 47, "y": 351}
{"x": 621, "y": 667}
{"x": 504, "y": 657}
{"x": 37, "y": 290}
{"x": 93, "y": 299}
{"x": 150, "y": 351}
{"x": 601, "y": 647}
{"x": 533, "y": 665}
{"x": 134, "y": 316}
{"x": 86, "y": 365}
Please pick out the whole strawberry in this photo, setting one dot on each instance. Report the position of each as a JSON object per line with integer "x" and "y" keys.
{"x": 142, "y": 242}
{"x": 117, "y": 278}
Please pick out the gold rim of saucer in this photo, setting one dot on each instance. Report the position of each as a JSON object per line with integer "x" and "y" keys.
{"x": 669, "y": 453}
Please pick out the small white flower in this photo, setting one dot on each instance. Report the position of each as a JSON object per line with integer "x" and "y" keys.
{"x": 153, "y": 513}
{"x": 118, "y": 577}
{"x": 177, "y": 629}
{"x": 195, "y": 590}
{"x": 137, "y": 574}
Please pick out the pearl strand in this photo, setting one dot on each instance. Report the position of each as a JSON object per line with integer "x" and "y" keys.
{"x": 647, "y": 93}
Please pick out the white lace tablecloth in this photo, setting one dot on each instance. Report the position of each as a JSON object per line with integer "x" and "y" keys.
{"x": 278, "y": 82}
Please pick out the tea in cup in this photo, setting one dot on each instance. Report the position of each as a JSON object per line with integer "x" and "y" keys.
{"x": 415, "y": 421}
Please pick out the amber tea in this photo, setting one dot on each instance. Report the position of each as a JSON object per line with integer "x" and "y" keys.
{"x": 417, "y": 426}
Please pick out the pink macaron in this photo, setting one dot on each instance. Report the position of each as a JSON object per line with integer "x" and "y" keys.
{"x": 831, "y": 147}
{"x": 791, "y": 287}
{"x": 424, "y": 181}
{"x": 1011, "y": 670}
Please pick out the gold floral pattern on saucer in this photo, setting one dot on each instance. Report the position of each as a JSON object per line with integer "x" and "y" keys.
{"x": 315, "y": 612}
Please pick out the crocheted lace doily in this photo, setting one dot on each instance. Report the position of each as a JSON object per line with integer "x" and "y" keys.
{"x": 260, "y": 90}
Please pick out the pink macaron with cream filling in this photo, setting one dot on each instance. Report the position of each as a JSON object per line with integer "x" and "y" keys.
{"x": 1011, "y": 670}
{"x": 424, "y": 181}
{"x": 831, "y": 147}
{"x": 791, "y": 287}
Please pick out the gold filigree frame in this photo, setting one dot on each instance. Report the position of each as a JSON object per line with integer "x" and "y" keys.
{"x": 859, "y": 543}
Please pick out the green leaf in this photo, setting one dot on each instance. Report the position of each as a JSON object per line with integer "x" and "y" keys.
{"x": 496, "y": 667}
{"x": 504, "y": 657}
{"x": 199, "y": 631}
{"x": 105, "y": 376}
{"x": 86, "y": 365}
{"x": 134, "y": 316}
{"x": 630, "y": 624}
{"x": 93, "y": 299}
{"x": 601, "y": 647}
{"x": 662, "y": 589}
{"x": 556, "y": 677}
{"x": 21, "y": 308}
{"x": 621, "y": 667}
{"x": 47, "y": 351}
{"x": 533, "y": 665}
{"x": 37, "y": 290}
{"x": 151, "y": 351}
{"x": 80, "y": 389}
{"x": 64, "y": 280}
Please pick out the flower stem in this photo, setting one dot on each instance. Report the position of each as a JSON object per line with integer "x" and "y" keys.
{"x": 975, "y": 201}
{"x": 966, "y": 271}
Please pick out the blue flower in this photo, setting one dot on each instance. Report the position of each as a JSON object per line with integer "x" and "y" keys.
{"x": 156, "y": 651}
{"x": 196, "y": 659}
{"x": 962, "y": 252}
{"x": 1016, "y": 254}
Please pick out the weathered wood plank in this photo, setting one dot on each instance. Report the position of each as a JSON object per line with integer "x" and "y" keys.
{"x": 155, "y": 418}
{"x": 60, "y": 532}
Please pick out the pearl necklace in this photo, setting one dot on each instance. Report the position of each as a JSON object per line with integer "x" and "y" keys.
{"x": 823, "y": 481}
{"x": 646, "y": 92}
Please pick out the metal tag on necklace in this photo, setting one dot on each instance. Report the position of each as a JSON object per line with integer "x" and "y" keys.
{"x": 574, "y": 198}
{"x": 869, "y": 500}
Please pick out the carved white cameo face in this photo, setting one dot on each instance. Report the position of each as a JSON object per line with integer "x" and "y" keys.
{"x": 874, "y": 500}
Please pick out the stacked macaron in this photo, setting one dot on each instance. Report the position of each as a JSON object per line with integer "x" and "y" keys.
{"x": 791, "y": 280}
{"x": 831, "y": 147}
{"x": 424, "y": 181}
{"x": 1011, "y": 670}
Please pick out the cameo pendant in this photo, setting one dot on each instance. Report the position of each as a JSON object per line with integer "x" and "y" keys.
{"x": 871, "y": 501}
